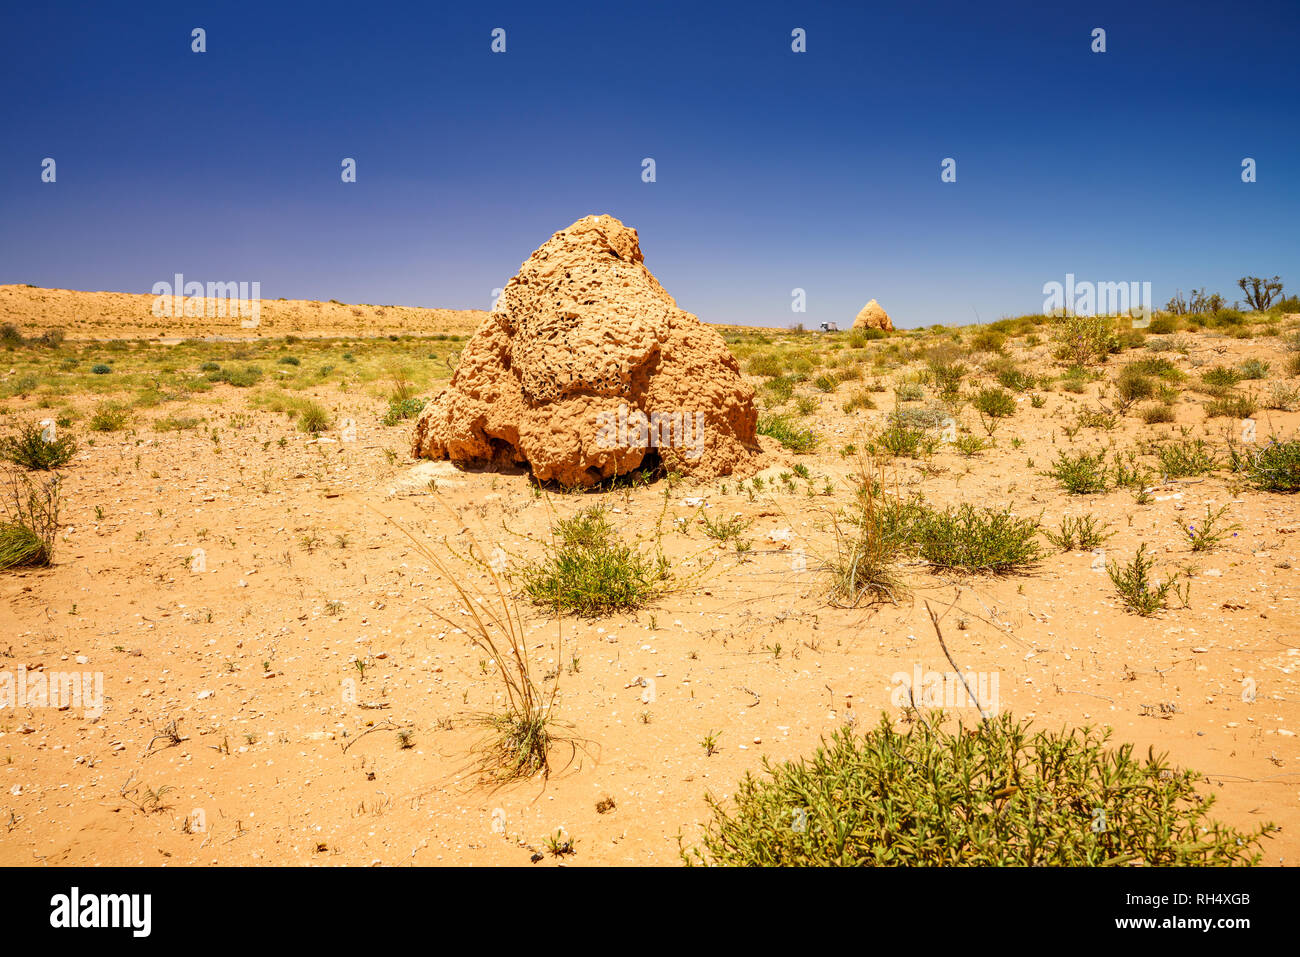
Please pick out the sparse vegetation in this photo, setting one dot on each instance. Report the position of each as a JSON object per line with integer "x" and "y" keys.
{"x": 29, "y": 523}
{"x": 589, "y": 571}
{"x": 29, "y": 448}
{"x": 996, "y": 794}
{"x": 1140, "y": 592}
{"x": 1081, "y": 473}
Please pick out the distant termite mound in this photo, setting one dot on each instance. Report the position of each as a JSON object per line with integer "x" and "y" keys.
{"x": 873, "y": 316}
{"x": 587, "y": 369}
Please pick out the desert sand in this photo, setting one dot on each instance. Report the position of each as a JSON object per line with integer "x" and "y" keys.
{"x": 297, "y": 696}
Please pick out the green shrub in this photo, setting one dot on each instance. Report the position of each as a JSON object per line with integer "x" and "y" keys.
{"x": 794, "y": 437}
{"x": 867, "y": 545}
{"x": 312, "y": 418}
{"x": 1273, "y": 468}
{"x": 780, "y": 388}
{"x": 909, "y": 392}
{"x": 1186, "y": 458}
{"x": 1080, "y": 473}
{"x": 1084, "y": 340}
{"x": 289, "y": 361}
{"x": 1210, "y": 533}
{"x": 176, "y": 423}
{"x": 996, "y": 403}
{"x": 401, "y": 409}
{"x": 1088, "y": 418}
{"x": 987, "y": 340}
{"x": 100, "y": 369}
{"x": 1159, "y": 367}
{"x": 28, "y": 448}
{"x": 861, "y": 399}
{"x": 1132, "y": 385}
{"x": 1140, "y": 593}
{"x": 900, "y": 439}
{"x": 29, "y": 524}
{"x": 765, "y": 364}
{"x": 725, "y": 529}
{"x": 109, "y": 417}
{"x": 1232, "y": 406}
{"x": 1079, "y": 533}
{"x": 826, "y": 382}
{"x": 1254, "y": 369}
{"x": 1075, "y": 379}
{"x": 590, "y": 572}
{"x": 996, "y": 794}
{"x": 976, "y": 540}
{"x": 1157, "y": 413}
{"x": 945, "y": 374}
{"x": 969, "y": 445}
{"x": 241, "y": 378}
{"x": 1283, "y": 397}
{"x": 1220, "y": 376}
{"x": 1014, "y": 379}
{"x": 858, "y": 338}
{"x": 919, "y": 418}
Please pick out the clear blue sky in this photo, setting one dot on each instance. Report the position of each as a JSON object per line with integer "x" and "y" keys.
{"x": 775, "y": 170}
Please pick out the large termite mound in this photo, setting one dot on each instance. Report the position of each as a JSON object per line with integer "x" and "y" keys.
{"x": 873, "y": 316}
{"x": 587, "y": 369}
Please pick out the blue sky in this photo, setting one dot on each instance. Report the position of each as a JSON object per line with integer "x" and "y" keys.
{"x": 774, "y": 170}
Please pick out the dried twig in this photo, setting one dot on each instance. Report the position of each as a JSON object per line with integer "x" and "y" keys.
{"x": 934, "y": 620}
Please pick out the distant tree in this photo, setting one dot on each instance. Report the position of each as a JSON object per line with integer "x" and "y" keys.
{"x": 1260, "y": 292}
{"x": 1200, "y": 303}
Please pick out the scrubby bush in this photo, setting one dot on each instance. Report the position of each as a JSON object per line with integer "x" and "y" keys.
{"x": 1080, "y": 473}
{"x": 589, "y": 571}
{"x": 996, "y": 794}
{"x": 312, "y": 418}
{"x": 1141, "y": 593}
{"x": 1232, "y": 406}
{"x": 973, "y": 539}
{"x": 997, "y": 403}
{"x": 109, "y": 417}
{"x": 1274, "y": 467}
{"x": 1159, "y": 412}
{"x": 28, "y": 448}
{"x": 826, "y": 382}
{"x": 1132, "y": 384}
{"x": 1014, "y": 378}
{"x": 860, "y": 399}
{"x": 794, "y": 437}
{"x": 401, "y": 409}
{"x": 1186, "y": 458}
{"x": 241, "y": 378}
{"x": 987, "y": 340}
{"x": 899, "y": 438}
{"x": 29, "y": 524}
{"x": 1084, "y": 340}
